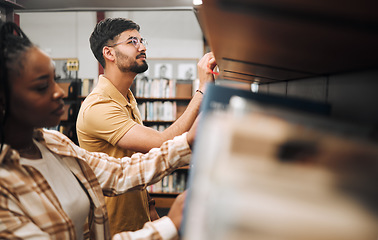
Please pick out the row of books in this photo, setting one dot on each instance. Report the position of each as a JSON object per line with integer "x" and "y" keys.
{"x": 158, "y": 110}
{"x": 173, "y": 183}
{"x": 155, "y": 88}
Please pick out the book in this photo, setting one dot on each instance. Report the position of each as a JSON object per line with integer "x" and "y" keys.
{"x": 268, "y": 170}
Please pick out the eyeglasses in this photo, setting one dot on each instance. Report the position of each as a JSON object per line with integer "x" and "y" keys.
{"x": 135, "y": 41}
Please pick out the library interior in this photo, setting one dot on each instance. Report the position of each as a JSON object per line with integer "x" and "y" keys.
{"x": 286, "y": 145}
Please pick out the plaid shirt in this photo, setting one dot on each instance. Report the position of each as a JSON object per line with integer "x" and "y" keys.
{"x": 29, "y": 209}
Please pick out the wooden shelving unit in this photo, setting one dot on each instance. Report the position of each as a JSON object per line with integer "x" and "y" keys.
{"x": 289, "y": 39}
{"x": 72, "y": 100}
{"x": 180, "y": 106}
{"x": 164, "y": 198}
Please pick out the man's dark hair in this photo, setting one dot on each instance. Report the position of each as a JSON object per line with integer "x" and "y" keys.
{"x": 105, "y": 32}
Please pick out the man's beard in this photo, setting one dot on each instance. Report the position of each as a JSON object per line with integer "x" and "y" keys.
{"x": 134, "y": 67}
{"x": 138, "y": 68}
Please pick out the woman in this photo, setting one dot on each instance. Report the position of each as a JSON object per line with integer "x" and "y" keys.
{"x": 49, "y": 187}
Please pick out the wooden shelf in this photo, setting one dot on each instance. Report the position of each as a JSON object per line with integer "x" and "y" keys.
{"x": 163, "y": 200}
{"x": 290, "y": 39}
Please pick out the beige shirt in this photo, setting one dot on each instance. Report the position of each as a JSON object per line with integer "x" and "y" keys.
{"x": 66, "y": 187}
{"x": 104, "y": 118}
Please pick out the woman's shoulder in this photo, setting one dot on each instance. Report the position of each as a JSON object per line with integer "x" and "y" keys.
{"x": 53, "y": 139}
{"x": 43, "y": 134}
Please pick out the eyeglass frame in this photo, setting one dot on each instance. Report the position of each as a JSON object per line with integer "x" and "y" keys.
{"x": 134, "y": 40}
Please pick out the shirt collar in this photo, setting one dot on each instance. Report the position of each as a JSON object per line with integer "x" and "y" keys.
{"x": 113, "y": 92}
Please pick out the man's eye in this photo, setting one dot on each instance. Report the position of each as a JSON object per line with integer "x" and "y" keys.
{"x": 134, "y": 41}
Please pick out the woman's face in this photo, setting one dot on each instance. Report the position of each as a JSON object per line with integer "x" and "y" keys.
{"x": 36, "y": 100}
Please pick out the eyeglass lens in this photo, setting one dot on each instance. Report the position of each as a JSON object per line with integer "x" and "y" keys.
{"x": 136, "y": 42}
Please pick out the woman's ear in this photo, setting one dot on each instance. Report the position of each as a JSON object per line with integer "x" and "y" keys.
{"x": 108, "y": 53}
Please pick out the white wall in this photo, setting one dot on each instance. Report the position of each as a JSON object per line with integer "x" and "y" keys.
{"x": 170, "y": 34}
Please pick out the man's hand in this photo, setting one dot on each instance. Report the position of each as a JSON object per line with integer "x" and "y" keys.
{"x": 205, "y": 67}
{"x": 176, "y": 211}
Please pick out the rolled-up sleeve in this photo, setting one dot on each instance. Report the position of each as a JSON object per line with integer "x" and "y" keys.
{"x": 117, "y": 175}
{"x": 162, "y": 228}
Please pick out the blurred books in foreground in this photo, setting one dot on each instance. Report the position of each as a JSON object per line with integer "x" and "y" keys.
{"x": 265, "y": 174}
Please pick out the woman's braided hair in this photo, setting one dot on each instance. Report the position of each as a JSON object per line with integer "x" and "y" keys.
{"x": 13, "y": 44}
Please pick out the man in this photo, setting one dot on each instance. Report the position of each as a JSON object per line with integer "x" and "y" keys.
{"x": 109, "y": 120}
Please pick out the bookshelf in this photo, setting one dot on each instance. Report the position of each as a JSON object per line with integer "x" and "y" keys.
{"x": 315, "y": 50}
{"x": 161, "y": 101}
{"x": 72, "y": 100}
{"x": 66, "y": 75}
{"x": 165, "y": 191}
{"x": 160, "y": 113}
{"x": 172, "y": 184}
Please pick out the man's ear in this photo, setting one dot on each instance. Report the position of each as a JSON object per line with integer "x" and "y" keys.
{"x": 108, "y": 53}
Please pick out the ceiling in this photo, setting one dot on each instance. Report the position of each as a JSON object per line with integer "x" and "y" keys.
{"x": 87, "y": 5}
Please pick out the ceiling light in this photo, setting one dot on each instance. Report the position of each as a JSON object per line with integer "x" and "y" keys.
{"x": 255, "y": 87}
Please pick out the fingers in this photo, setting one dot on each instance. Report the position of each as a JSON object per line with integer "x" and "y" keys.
{"x": 208, "y": 61}
{"x": 212, "y": 62}
{"x": 205, "y": 69}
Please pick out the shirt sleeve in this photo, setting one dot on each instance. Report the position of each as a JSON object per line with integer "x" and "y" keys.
{"x": 105, "y": 119}
{"x": 118, "y": 175}
{"x": 162, "y": 228}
